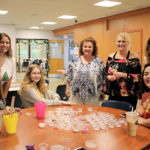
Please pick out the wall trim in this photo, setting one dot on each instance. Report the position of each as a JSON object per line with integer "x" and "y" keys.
{"x": 64, "y": 30}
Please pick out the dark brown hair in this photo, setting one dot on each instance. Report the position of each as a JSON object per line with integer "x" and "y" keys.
{"x": 9, "y": 52}
{"x": 90, "y": 39}
{"x": 148, "y": 51}
{"x": 143, "y": 87}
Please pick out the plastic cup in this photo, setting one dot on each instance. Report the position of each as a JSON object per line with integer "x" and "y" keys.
{"x": 132, "y": 118}
{"x": 40, "y": 109}
{"x": 90, "y": 144}
{"x": 11, "y": 123}
{"x": 43, "y": 146}
{"x": 90, "y": 108}
{"x": 59, "y": 147}
{"x": 79, "y": 109}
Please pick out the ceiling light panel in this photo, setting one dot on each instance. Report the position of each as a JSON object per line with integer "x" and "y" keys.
{"x": 48, "y": 23}
{"x": 106, "y": 3}
{"x": 67, "y": 17}
{"x": 3, "y": 12}
{"x": 35, "y": 27}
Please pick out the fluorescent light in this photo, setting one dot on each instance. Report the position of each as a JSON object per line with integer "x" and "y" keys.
{"x": 67, "y": 17}
{"x": 3, "y": 12}
{"x": 34, "y": 27}
{"x": 50, "y": 23}
{"x": 107, "y": 3}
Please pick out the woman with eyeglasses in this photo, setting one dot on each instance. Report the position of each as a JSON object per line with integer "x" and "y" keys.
{"x": 33, "y": 89}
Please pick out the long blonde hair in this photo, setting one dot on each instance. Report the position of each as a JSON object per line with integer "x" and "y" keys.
{"x": 41, "y": 85}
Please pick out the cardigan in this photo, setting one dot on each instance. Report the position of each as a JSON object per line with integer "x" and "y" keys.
{"x": 30, "y": 96}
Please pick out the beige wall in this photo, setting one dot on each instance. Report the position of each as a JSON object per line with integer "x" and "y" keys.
{"x": 104, "y": 31}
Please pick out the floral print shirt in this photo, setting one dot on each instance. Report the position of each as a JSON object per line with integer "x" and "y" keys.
{"x": 123, "y": 87}
{"x": 86, "y": 79}
{"x": 146, "y": 106}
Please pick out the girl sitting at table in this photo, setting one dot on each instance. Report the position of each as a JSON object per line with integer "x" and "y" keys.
{"x": 144, "y": 109}
{"x": 34, "y": 88}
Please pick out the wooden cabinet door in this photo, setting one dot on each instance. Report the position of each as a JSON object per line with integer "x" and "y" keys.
{"x": 136, "y": 43}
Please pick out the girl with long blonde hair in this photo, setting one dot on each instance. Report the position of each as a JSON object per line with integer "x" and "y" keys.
{"x": 33, "y": 88}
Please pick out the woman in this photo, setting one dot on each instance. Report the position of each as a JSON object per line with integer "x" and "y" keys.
{"x": 123, "y": 70}
{"x": 144, "y": 109}
{"x": 33, "y": 88}
{"x": 85, "y": 75}
{"x": 6, "y": 67}
{"x": 147, "y": 52}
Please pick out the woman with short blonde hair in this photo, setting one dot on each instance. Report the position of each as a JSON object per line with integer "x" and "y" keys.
{"x": 123, "y": 71}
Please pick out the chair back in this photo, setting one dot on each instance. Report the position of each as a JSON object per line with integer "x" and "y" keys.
{"x": 117, "y": 104}
{"x": 25, "y": 64}
{"x": 60, "y": 90}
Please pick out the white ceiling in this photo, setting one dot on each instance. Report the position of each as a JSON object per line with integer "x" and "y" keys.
{"x": 26, "y": 13}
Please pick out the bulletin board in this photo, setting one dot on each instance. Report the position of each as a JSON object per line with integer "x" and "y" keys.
{"x": 73, "y": 49}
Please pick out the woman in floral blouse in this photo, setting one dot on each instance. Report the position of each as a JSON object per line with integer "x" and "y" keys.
{"x": 123, "y": 70}
{"x": 85, "y": 75}
{"x": 144, "y": 109}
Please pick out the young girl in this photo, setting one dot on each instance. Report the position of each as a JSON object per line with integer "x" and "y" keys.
{"x": 33, "y": 88}
{"x": 144, "y": 109}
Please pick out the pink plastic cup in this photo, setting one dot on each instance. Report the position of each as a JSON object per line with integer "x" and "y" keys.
{"x": 40, "y": 109}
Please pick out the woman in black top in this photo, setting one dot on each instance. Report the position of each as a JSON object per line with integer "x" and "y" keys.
{"x": 123, "y": 71}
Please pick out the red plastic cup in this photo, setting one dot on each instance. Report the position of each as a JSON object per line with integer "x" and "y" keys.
{"x": 40, "y": 109}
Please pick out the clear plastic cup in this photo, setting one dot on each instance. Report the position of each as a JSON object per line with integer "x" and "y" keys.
{"x": 41, "y": 124}
{"x": 90, "y": 144}
{"x": 90, "y": 108}
{"x": 79, "y": 109}
{"x": 43, "y": 146}
{"x": 59, "y": 147}
{"x": 132, "y": 118}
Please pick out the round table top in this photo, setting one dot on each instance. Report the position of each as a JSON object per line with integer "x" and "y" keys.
{"x": 28, "y": 132}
